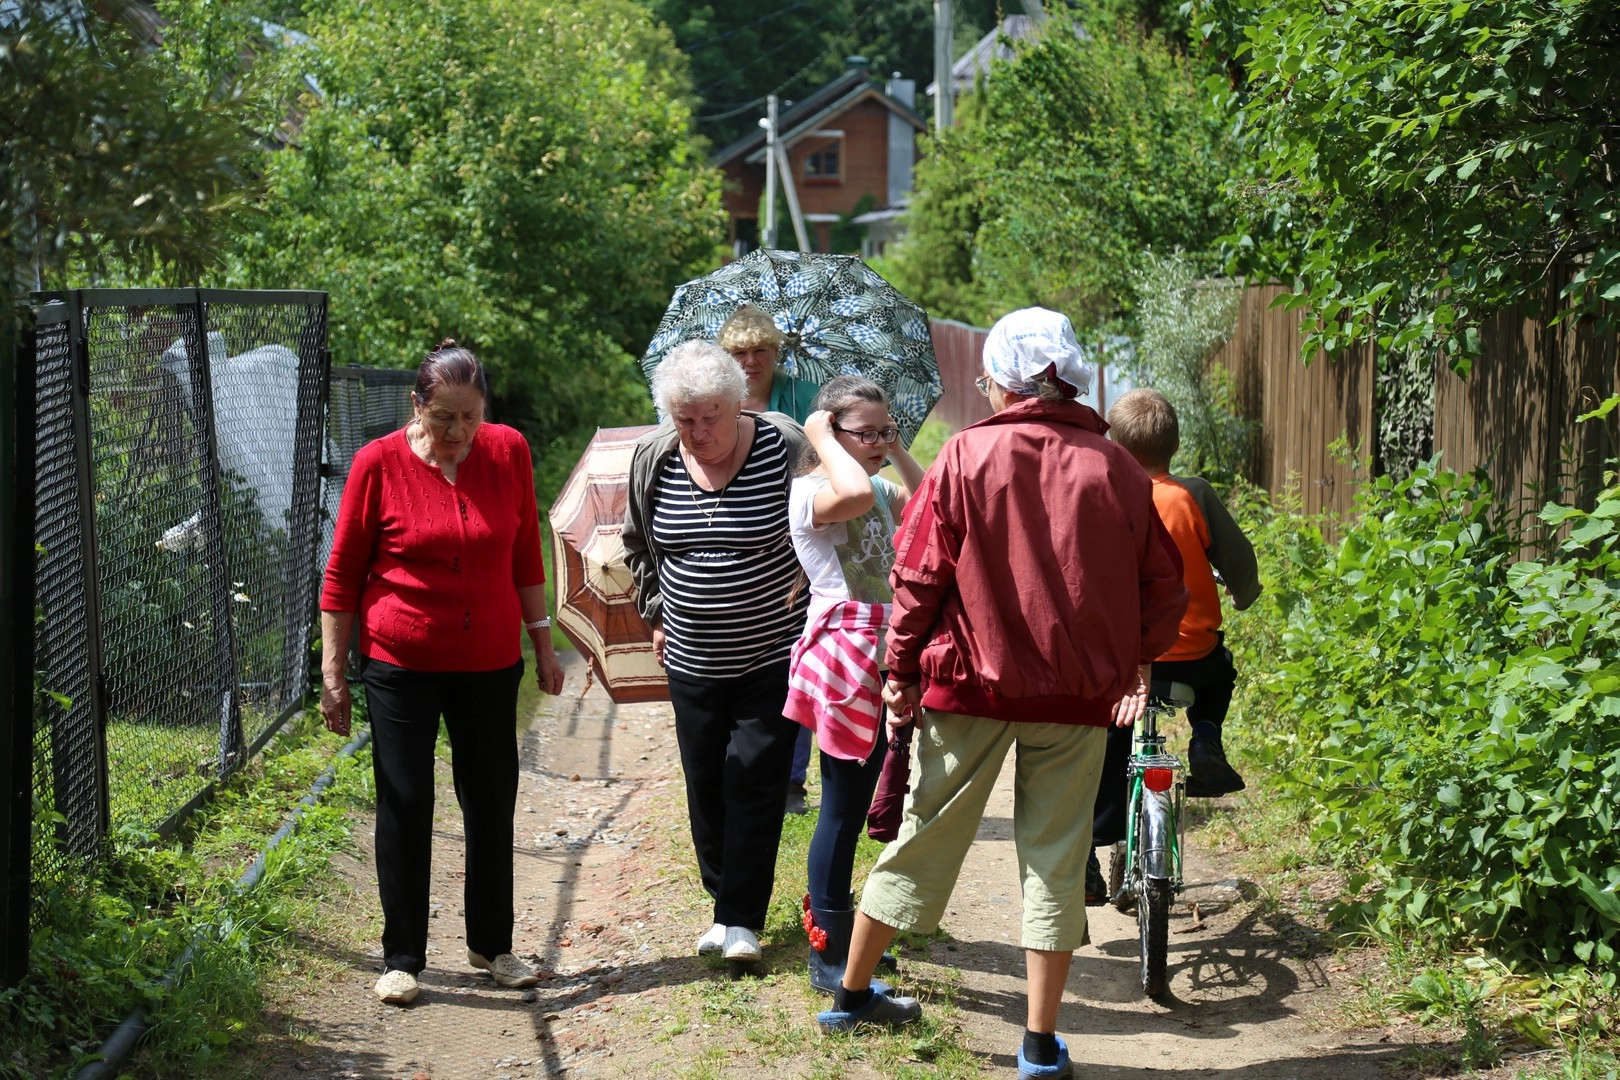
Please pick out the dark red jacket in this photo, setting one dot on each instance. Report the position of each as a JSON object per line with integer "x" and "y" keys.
{"x": 1032, "y": 574}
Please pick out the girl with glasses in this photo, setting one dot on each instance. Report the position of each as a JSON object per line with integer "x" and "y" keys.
{"x": 842, "y": 516}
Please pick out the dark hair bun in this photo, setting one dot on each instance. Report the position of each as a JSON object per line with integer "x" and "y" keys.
{"x": 449, "y": 363}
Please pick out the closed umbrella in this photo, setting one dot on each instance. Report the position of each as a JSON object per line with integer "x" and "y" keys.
{"x": 838, "y": 315}
{"x": 595, "y": 594}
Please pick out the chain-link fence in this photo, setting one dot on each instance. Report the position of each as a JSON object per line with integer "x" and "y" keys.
{"x": 178, "y": 464}
{"x": 363, "y": 404}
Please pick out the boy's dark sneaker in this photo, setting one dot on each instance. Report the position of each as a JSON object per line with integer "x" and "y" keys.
{"x": 1208, "y": 774}
{"x": 1096, "y": 887}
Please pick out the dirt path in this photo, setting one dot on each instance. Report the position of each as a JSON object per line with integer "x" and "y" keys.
{"x": 609, "y": 904}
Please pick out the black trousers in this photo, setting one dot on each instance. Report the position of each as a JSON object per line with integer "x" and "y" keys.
{"x": 480, "y": 712}
{"x": 1212, "y": 678}
{"x": 736, "y": 750}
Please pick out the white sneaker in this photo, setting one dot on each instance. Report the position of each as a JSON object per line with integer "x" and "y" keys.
{"x": 506, "y": 969}
{"x": 713, "y": 941}
{"x": 741, "y": 944}
{"x": 397, "y": 987}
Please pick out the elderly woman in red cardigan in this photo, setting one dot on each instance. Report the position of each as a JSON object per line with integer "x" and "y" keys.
{"x": 437, "y": 554}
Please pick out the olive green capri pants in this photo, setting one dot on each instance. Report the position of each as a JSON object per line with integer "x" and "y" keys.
{"x": 956, "y": 760}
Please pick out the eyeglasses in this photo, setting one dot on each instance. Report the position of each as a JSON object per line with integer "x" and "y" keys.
{"x": 983, "y": 383}
{"x": 872, "y": 438}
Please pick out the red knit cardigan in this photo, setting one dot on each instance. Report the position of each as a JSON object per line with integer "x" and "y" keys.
{"x": 433, "y": 568}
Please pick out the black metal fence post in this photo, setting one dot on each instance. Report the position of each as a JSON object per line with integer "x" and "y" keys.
{"x": 98, "y": 815}
{"x": 16, "y": 642}
{"x": 220, "y": 589}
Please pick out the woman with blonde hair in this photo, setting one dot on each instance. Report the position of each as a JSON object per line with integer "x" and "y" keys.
{"x": 755, "y": 342}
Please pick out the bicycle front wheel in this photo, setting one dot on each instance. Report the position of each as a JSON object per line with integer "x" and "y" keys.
{"x": 1124, "y": 900}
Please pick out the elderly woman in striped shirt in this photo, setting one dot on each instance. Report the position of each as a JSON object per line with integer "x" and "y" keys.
{"x": 843, "y": 515}
{"x": 706, "y": 540}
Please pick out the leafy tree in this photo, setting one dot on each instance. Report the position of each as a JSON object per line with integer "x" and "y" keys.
{"x": 518, "y": 176}
{"x": 1418, "y": 164}
{"x": 106, "y": 153}
{"x": 1087, "y": 148}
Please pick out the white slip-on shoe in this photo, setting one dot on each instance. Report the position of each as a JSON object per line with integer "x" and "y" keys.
{"x": 713, "y": 941}
{"x": 741, "y": 944}
{"x": 397, "y": 987}
{"x": 506, "y": 969}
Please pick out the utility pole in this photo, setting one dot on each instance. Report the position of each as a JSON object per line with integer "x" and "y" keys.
{"x": 776, "y": 163}
{"x": 769, "y": 124}
{"x": 944, "y": 84}
{"x": 792, "y": 192}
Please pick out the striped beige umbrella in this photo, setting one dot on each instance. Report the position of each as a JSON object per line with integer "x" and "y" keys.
{"x": 596, "y": 606}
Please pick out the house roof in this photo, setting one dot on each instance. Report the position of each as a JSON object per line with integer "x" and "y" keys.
{"x": 802, "y": 117}
{"x": 992, "y": 47}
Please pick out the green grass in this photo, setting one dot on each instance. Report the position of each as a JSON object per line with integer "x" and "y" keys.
{"x": 105, "y": 937}
{"x": 153, "y": 768}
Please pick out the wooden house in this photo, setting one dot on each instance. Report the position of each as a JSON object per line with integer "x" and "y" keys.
{"x": 850, "y": 146}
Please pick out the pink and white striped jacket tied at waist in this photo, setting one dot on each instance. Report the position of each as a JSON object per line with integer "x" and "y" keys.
{"x": 833, "y": 678}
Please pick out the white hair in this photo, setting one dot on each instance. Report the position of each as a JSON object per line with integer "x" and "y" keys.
{"x": 697, "y": 371}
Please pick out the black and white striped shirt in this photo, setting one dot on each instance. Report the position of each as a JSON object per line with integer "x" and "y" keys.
{"x": 725, "y": 578}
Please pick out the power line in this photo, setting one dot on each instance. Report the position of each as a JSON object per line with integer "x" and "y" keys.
{"x": 739, "y": 29}
{"x": 762, "y": 57}
{"x": 836, "y": 47}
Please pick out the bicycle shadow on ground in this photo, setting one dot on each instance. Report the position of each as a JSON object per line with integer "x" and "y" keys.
{"x": 1245, "y": 973}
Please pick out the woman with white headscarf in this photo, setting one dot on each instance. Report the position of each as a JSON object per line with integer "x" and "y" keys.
{"x": 1033, "y": 584}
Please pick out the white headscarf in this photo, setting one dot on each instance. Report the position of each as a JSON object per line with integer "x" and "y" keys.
{"x": 1031, "y": 342}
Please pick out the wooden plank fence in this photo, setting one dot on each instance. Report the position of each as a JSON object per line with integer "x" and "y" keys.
{"x": 1302, "y": 409}
{"x": 959, "y": 348}
{"x": 1515, "y": 413}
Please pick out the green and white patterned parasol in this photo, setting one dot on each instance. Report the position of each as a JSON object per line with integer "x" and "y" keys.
{"x": 839, "y": 318}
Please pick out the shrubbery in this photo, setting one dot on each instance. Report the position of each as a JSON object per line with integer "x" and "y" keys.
{"x": 1449, "y": 714}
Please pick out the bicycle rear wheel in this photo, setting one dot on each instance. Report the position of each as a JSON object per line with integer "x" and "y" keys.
{"x": 1155, "y": 840}
{"x": 1153, "y": 924}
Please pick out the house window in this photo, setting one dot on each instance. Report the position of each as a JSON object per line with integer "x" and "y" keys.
{"x": 825, "y": 165}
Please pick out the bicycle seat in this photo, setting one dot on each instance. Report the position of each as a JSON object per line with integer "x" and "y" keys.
{"x": 1172, "y": 695}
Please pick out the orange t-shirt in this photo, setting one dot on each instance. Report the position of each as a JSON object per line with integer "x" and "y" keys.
{"x": 1188, "y": 528}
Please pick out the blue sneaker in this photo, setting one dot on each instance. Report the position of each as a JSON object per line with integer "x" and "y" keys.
{"x": 882, "y": 1009}
{"x": 1061, "y": 1071}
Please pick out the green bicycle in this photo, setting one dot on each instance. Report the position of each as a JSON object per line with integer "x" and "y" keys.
{"x": 1145, "y": 872}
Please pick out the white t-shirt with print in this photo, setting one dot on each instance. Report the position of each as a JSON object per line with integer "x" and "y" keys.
{"x": 843, "y": 560}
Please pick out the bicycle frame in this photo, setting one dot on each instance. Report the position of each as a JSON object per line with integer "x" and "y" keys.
{"x": 1160, "y": 853}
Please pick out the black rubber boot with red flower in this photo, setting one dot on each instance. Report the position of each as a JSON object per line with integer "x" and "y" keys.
{"x": 829, "y": 933}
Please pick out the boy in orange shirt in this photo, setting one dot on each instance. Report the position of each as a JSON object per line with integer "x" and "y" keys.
{"x": 1144, "y": 423}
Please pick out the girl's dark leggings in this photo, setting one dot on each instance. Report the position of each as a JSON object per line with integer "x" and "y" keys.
{"x": 846, "y": 796}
